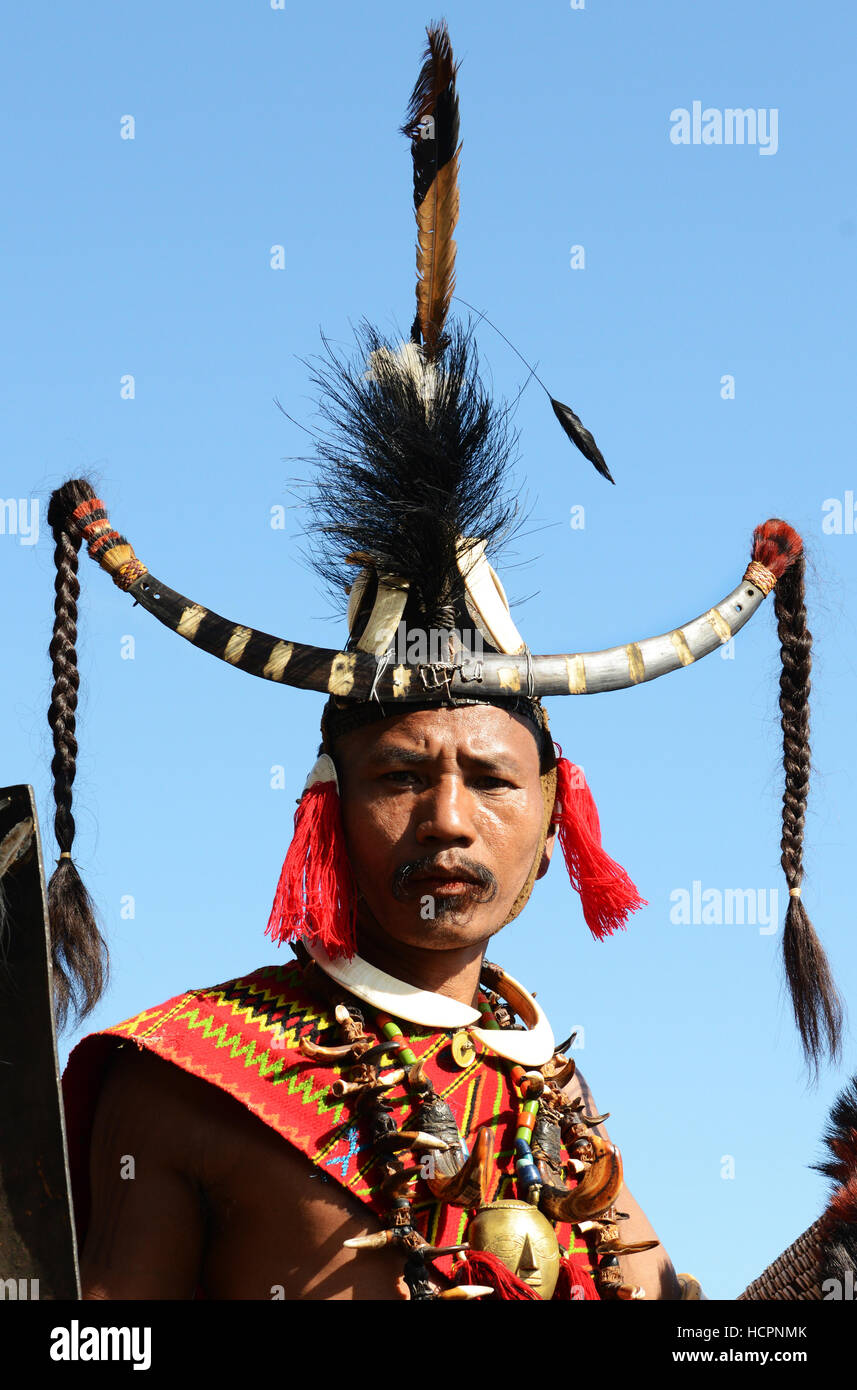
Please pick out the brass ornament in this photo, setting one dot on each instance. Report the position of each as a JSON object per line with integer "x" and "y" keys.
{"x": 524, "y": 1239}
{"x": 463, "y": 1049}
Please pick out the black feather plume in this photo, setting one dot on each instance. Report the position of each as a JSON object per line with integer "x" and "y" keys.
{"x": 415, "y": 455}
{"x": 839, "y": 1250}
{"x": 840, "y": 1137}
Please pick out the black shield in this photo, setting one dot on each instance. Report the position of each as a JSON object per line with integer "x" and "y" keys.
{"x": 38, "y": 1251}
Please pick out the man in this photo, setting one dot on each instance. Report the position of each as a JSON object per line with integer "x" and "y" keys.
{"x": 443, "y": 804}
{"x": 229, "y": 1149}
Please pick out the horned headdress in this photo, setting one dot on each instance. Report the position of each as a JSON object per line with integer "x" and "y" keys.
{"x": 410, "y": 499}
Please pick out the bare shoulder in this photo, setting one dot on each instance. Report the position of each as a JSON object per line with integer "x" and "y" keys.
{"x": 136, "y": 1074}
{"x": 151, "y": 1102}
{"x": 191, "y": 1189}
{"x": 180, "y": 1121}
{"x": 139, "y": 1084}
{"x": 147, "y": 1217}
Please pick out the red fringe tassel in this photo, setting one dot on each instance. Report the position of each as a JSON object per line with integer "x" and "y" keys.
{"x": 776, "y": 545}
{"x": 607, "y": 894}
{"x": 316, "y": 896}
{"x": 481, "y": 1267}
{"x": 575, "y": 1281}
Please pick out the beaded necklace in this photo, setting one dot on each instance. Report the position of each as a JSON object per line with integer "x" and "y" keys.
{"x": 457, "y": 1175}
{"x": 546, "y": 1119}
{"x": 498, "y": 1278}
{"x": 526, "y": 1173}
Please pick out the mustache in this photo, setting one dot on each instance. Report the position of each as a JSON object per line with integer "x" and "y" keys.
{"x": 483, "y": 889}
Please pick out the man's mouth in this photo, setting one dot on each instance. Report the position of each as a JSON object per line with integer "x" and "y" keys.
{"x": 440, "y": 884}
{"x": 443, "y": 881}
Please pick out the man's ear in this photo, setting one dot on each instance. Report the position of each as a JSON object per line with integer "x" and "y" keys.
{"x": 547, "y": 852}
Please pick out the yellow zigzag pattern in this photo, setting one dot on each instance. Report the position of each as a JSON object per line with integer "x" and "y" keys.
{"x": 253, "y": 1014}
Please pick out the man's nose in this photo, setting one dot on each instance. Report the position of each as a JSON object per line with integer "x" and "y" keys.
{"x": 445, "y": 811}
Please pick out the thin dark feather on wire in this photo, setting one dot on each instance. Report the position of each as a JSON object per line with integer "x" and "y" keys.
{"x": 573, "y": 427}
{"x": 581, "y": 436}
{"x": 399, "y": 477}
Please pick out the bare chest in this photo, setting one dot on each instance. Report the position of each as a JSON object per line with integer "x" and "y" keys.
{"x": 275, "y": 1226}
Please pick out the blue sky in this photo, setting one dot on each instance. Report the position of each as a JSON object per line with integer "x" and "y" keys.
{"x": 257, "y": 127}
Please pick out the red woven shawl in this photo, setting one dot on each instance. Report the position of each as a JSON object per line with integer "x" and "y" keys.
{"x": 243, "y": 1037}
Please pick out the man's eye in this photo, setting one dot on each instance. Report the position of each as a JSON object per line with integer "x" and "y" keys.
{"x": 401, "y": 776}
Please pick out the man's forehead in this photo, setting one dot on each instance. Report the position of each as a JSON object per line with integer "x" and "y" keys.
{"x": 479, "y": 731}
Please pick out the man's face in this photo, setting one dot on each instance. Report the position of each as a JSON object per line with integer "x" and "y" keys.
{"x": 443, "y": 811}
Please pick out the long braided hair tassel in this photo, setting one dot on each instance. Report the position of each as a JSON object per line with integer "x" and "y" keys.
{"x": 78, "y": 950}
{"x": 816, "y": 1003}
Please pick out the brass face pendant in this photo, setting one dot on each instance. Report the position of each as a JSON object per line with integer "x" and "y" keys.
{"x": 463, "y": 1049}
{"x": 524, "y": 1239}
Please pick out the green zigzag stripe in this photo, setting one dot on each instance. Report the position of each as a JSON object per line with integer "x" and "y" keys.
{"x": 302, "y": 1086}
{"x": 277, "y": 1071}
